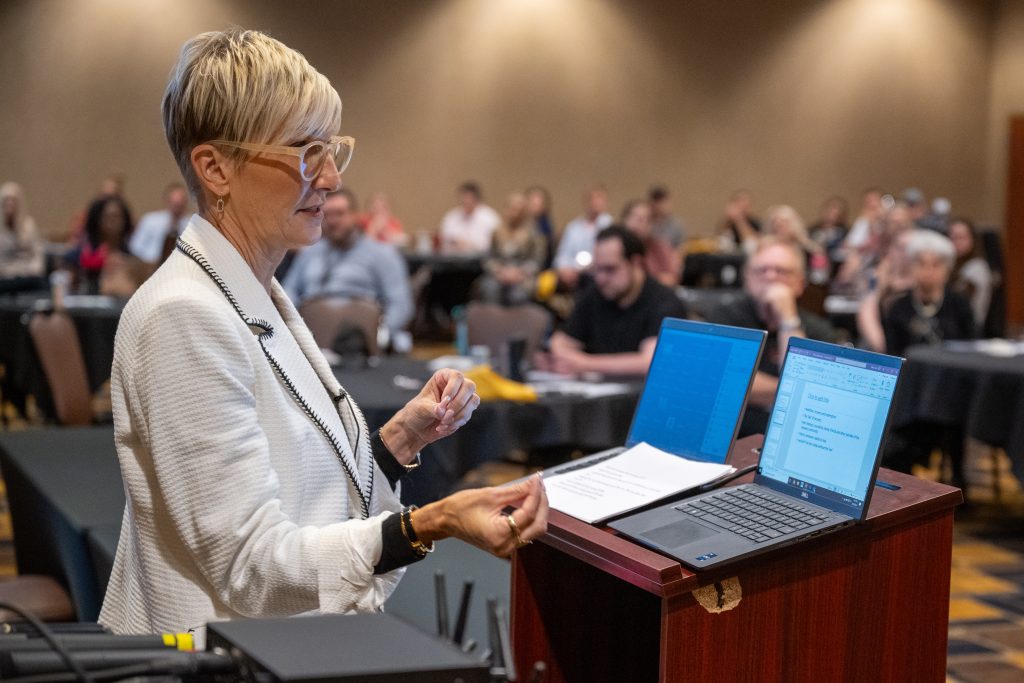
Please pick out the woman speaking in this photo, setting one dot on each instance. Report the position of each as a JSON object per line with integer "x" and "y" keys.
{"x": 254, "y": 488}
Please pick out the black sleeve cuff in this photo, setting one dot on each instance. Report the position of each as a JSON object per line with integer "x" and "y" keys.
{"x": 396, "y": 551}
{"x": 387, "y": 462}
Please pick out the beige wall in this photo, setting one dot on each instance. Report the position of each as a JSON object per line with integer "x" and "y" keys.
{"x": 796, "y": 103}
{"x": 1007, "y": 99}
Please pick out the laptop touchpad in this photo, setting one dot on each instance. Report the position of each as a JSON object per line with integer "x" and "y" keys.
{"x": 678, "y": 534}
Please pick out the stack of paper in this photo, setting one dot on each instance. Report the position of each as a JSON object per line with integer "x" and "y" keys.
{"x": 637, "y": 477}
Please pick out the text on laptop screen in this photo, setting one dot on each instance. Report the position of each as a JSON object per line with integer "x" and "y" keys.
{"x": 695, "y": 389}
{"x": 827, "y": 423}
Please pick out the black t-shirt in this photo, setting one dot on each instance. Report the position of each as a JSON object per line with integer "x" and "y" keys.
{"x": 906, "y": 326}
{"x": 743, "y": 312}
{"x": 603, "y": 327}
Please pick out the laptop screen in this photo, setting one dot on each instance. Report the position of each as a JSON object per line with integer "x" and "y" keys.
{"x": 825, "y": 435}
{"x": 696, "y": 388}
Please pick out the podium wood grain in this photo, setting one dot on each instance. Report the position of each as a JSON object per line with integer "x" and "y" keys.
{"x": 868, "y": 603}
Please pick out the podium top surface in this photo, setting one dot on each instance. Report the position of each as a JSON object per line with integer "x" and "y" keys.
{"x": 664, "y": 576}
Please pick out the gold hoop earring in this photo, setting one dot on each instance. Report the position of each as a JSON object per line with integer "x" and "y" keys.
{"x": 220, "y": 206}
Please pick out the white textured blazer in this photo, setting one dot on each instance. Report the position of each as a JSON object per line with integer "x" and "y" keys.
{"x": 234, "y": 438}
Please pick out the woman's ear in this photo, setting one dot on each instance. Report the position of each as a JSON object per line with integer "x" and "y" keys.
{"x": 213, "y": 169}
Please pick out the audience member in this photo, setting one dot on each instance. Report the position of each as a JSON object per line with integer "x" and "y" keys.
{"x": 576, "y": 248}
{"x": 614, "y": 326}
{"x": 538, "y": 206}
{"x": 661, "y": 261}
{"x": 888, "y": 280}
{"x": 380, "y": 224}
{"x": 871, "y": 209}
{"x": 467, "y": 228}
{"x": 972, "y": 277}
{"x": 830, "y": 229}
{"x": 347, "y": 264}
{"x": 517, "y": 254}
{"x": 774, "y": 278}
{"x": 914, "y": 199}
{"x": 21, "y": 249}
{"x": 663, "y": 223}
{"x": 111, "y": 186}
{"x": 930, "y": 312}
{"x": 102, "y": 256}
{"x": 739, "y": 229}
{"x": 157, "y": 231}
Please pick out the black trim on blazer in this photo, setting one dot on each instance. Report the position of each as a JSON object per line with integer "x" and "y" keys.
{"x": 267, "y": 333}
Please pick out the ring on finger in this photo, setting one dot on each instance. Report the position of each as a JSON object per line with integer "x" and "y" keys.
{"x": 514, "y": 528}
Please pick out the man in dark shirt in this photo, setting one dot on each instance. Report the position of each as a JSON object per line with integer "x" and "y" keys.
{"x": 614, "y": 325}
{"x": 774, "y": 278}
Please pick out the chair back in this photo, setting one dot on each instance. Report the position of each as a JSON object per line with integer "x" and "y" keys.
{"x": 326, "y": 317}
{"x": 56, "y": 343}
{"x": 492, "y": 325}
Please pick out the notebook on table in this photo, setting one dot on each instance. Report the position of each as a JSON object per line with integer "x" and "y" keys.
{"x": 683, "y": 427}
{"x": 816, "y": 471}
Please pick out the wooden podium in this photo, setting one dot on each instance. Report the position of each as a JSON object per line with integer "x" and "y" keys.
{"x": 867, "y": 603}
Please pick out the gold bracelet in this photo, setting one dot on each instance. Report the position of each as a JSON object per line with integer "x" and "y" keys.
{"x": 405, "y": 519}
{"x": 415, "y": 459}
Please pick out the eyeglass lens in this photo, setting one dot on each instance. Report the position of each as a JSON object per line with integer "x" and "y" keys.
{"x": 316, "y": 155}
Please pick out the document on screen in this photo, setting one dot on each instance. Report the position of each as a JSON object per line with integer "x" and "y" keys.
{"x": 639, "y": 476}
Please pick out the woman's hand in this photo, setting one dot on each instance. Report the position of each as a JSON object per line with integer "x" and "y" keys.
{"x": 476, "y": 516}
{"x": 444, "y": 404}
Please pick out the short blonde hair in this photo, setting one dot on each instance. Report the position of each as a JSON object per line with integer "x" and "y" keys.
{"x": 244, "y": 86}
{"x": 770, "y": 242}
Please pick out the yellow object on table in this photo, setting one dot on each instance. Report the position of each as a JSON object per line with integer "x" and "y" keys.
{"x": 491, "y": 386}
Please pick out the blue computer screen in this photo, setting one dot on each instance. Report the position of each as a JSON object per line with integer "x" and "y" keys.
{"x": 696, "y": 389}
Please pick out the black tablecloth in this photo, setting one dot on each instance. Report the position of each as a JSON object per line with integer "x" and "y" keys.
{"x": 981, "y": 394}
{"x": 495, "y": 429}
{"x": 96, "y": 327}
{"x": 61, "y": 484}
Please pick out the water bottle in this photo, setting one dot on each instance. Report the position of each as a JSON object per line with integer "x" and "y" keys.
{"x": 461, "y": 330}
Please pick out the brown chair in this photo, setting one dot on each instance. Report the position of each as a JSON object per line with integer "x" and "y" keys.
{"x": 41, "y": 596}
{"x": 492, "y": 325}
{"x": 326, "y": 317}
{"x": 56, "y": 342}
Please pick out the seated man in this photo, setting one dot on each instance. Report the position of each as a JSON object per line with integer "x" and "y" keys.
{"x": 467, "y": 228}
{"x": 346, "y": 264}
{"x": 614, "y": 326}
{"x": 157, "y": 231}
{"x": 774, "y": 278}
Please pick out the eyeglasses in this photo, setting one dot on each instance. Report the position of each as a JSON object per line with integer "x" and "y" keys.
{"x": 312, "y": 157}
{"x": 762, "y": 271}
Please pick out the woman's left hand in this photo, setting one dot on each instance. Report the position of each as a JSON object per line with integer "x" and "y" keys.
{"x": 444, "y": 404}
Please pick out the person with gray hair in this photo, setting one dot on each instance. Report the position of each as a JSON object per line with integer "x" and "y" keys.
{"x": 929, "y": 312}
{"x": 253, "y": 485}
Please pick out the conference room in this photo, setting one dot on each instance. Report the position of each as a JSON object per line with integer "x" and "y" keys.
{"x": 314, "y": 315}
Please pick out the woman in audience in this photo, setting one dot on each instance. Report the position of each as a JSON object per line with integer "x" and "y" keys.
{"x": 930, "y": 312}
{"x": 517, "y": 254}
{"x": 21, "y": 249}
{"x": 830, "y": 229}
{"x": 884, "y": 283}
{"x": 254, "y": 487}
{"x": 379, "y": 223}
{"x": 103, "y": 252}
{"x": 739, "y": 229}
{"x": 538, "y": 206}
{"x": 972, "y": 276}
{"x": 661, "y": 261}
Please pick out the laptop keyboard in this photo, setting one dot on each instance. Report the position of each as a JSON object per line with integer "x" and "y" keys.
{"x": 753, "y": 513}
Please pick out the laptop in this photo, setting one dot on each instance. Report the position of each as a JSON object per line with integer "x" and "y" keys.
{"x": 694, "y": 394}
{"x": 816, "y": 471}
